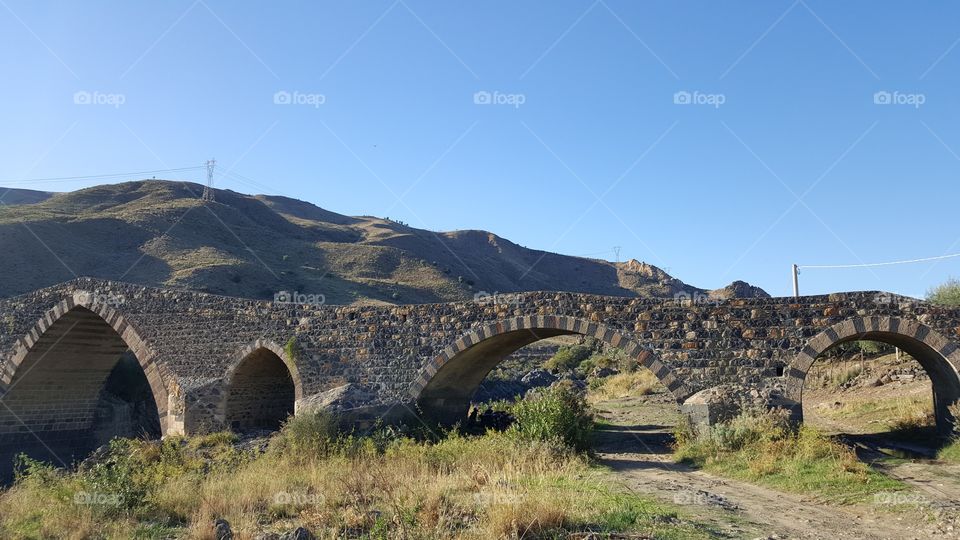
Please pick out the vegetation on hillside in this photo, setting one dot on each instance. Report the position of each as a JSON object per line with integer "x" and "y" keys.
{"x": 160, "y": 233}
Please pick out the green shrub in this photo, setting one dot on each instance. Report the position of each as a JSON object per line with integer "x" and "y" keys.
{"x": 556, "y": 414}
{"x": 567, "y": 358}
{"x": 311, "y": 434}
{"x": 766, "y": 449}
{"x": 946, "y": 294}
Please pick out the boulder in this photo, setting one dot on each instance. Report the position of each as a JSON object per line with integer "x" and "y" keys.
{"x": 222, "y": 530}
{"x": 299, "y": 533}
{"x": 342, "y": 398}
{"x": 538, "y": 378}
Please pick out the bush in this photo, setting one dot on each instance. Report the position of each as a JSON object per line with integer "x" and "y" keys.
{"x": 311, "y": 434}
{"x": 945, "y": 294}
{"x": 567, "y": 358}
{"x": 767, "y": 449}
{"x": 555, "y": 414}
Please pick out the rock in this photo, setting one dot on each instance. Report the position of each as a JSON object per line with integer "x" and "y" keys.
{"x": 299, "y": 533}
{"x": 221, "y": 530}
{"x": 538, "y": 378}
{"x": 602, "y": 372}
{"x": 342, "y": 398}
{"x": 725, "y": 402}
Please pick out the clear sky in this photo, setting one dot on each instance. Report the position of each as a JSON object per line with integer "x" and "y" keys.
{"x": 557, "y": 125}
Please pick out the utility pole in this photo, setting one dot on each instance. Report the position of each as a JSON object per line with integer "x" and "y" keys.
{"x": 796, "y": 281}
{"x": 616, "y": 249}
{"x": 208, "y": 190}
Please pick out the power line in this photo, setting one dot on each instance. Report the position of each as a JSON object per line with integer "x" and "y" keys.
{"x": 93, "y": 176}
{"x": 889, "y": 263}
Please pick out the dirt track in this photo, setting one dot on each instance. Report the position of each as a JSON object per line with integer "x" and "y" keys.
{"x": 636, "y": 447}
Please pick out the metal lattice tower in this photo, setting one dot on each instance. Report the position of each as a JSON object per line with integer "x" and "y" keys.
{"x": 208, "y": 189}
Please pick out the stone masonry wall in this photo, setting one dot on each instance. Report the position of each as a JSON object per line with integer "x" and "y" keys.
{"x": 194, "y": 340}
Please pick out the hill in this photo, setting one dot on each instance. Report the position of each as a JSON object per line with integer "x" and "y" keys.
{"x": 158, "y": 232}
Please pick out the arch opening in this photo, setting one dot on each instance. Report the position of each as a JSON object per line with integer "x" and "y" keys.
{"x": 76, "y": 387}
{"x": 447, "y": 385}
{"x": 261, "y": 392}
{"x": 858, "y": 383}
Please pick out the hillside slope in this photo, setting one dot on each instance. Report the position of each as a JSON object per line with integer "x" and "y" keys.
{"x": 160, "y": 233}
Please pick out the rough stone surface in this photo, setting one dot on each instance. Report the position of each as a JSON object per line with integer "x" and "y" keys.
{"x": 56, "y": 346}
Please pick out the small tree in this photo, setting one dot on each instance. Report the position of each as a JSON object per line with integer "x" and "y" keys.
{"x": 946, "y": 294}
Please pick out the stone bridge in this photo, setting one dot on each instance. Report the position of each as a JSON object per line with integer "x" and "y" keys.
{"x": 209, "y": 362}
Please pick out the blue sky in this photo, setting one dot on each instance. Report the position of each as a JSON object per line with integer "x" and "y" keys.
{"x": 775, "y": 150}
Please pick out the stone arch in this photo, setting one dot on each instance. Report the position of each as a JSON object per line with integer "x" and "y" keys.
{"x": 443, "y": 387}
{"x": 938, "y": 355}
{"x": 51, "y": 382}
{"x": 262, "y": 387}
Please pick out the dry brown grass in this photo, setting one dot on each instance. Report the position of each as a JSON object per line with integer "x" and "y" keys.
{"x": 621, "y": 385}
{"x": 483, "y": 487}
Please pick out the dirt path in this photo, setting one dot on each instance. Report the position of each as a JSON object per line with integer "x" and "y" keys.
{"x": 636, "y": 447}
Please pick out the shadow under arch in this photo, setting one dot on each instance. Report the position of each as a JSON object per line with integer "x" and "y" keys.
{"x": 444, "y": 386}
{"x": 262, "y": 387}
{"x": 938, "y": 355}
{"x": 51, "y": 385}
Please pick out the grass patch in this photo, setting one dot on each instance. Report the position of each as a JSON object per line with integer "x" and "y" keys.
{"x": 950, "y": 452}
{"x": 337, "y": 485}
{"x": 638, "y": 383}
{"x": 766, "y": 450}
{"x": 903, "y": 414}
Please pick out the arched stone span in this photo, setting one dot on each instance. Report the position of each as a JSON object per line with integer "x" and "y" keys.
{"x": 263, "y": 386}
{"x": 51, "y": 385}
{"x": 444, "y": 386}
{"x": 938, "y": 355}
